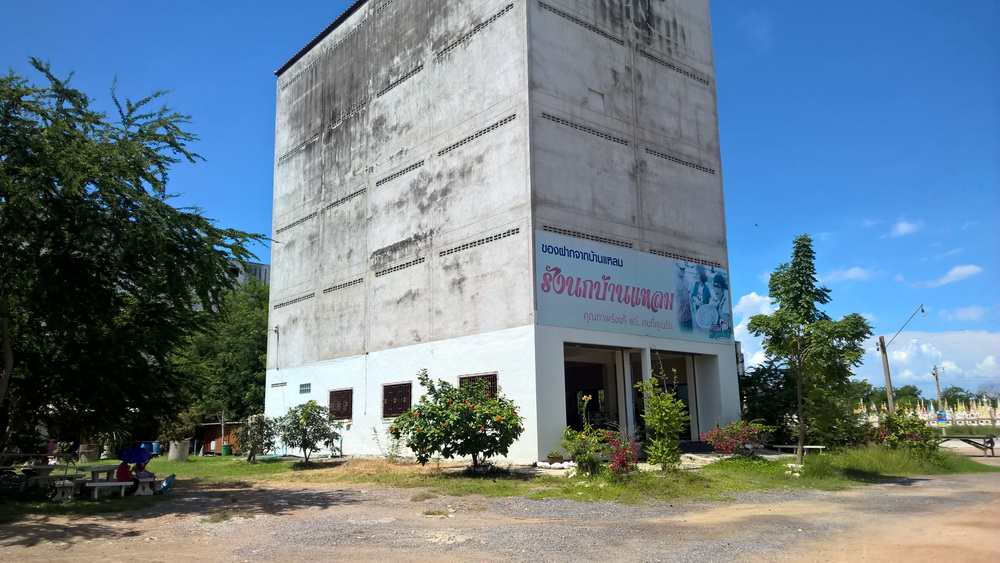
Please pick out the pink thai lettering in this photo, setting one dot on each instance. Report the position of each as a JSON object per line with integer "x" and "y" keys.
{"x": 554, "y": 281}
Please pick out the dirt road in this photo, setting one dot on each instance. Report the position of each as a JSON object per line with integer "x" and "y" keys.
{"x": 951, "y": 518}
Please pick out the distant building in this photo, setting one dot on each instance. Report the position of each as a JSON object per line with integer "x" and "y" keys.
{"x": 252, "y": 269}
{"x": 524, "y": 191}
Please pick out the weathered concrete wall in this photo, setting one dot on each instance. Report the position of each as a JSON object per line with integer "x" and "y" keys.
{"x": 401, "y": 181}
{"x": 624, "y": 124}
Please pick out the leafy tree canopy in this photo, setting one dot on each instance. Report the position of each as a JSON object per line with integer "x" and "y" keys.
{"x": 801, "y": 338}
{"x": 229, "y": 355}
{"x": 101, "y": 274}
{"x": 307, "y": 427}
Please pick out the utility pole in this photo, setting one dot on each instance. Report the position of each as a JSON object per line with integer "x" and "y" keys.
{"x": 938, "y": 385}
{"x": 885, "y": 358}
{"x": 888, "y": 380}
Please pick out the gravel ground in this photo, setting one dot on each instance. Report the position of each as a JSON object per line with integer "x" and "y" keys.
{"x": 324, "y": 523}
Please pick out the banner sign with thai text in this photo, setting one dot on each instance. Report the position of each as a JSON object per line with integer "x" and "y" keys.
{"x": 597, "y": 286}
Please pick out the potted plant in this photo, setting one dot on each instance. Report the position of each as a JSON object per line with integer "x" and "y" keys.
{"x": 555, "y": 456}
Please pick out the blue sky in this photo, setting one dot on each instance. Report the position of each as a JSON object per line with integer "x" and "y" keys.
{"x": 872, "y": 126}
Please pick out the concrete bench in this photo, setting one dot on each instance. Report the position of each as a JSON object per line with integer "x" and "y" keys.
{"x": 793, "y": 448}
{"x": 64, "y": 490}
{"x": 109, "y": 486}
{"x": 143, "y": 490}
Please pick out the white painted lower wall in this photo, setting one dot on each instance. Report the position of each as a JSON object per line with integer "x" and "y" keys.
{"x": 509, "y": 352}
{"x": 529, "y": 361}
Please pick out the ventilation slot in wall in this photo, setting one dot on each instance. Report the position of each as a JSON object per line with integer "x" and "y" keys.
{"x": 479, "y": 242}
{"x": 345, "y": 199}
{"x": 347, "y": 36}
{"x": 680, "y": 161}
{"x": 282, "y": 384}
{"x": 666, "y": 254}
{"x": 294, "y": 301}
{"x": 296, "y": 223}
{"x": 477, "y": 134}
{"x": 479, "y": 27}
{"x": 399, "y": 267}
{"x": 400, "y": 81}
{"x": 585, "y": 129}
{"x": 292, "y": 152}
{"x": 355, "y": 110}
{"x": 676, "y": 68}
{"x": 581, "y": 23}
{"x": 382, "y": 7}
{"x": 344, "y": 285}
{"x": 299, "y": 74}
{"x": 392, "y": 177}
{"x": 585, "y": 236}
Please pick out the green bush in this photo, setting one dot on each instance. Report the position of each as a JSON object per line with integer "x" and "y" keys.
{"x": 900, "y": 430}
{"x": 665, "y": 416}
{"x": 739, "y": 437}
{"x": 256, "y": 437}
{"x": 306, "y": 427}
{"x": 458, "y": 421}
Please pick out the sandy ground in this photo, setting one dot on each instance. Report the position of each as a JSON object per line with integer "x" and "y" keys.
{"x": 951, "y": 518}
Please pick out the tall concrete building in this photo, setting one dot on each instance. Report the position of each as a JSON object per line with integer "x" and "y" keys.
{"x": 519, "y": 190}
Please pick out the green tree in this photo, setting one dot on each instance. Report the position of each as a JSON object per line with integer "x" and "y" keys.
{"x": 229, "y": 355}
{"x": 308, "y": 426}
{"x": 257, "y": 436}
{"x": 100, "y": 273}
{"x": 803, "y": 339}
{"x": 465, "y": 421}
{"x": 665, "y": 416}
{"x": 953, "y": 395}
{"x": 768, "y": 395}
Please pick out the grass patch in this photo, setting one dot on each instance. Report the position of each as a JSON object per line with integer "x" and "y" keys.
{"x": 435, "y": 512}
{"x": 226, "y": 515}
{"x": 421, "y": 497}
{"x": 967, "y": 430}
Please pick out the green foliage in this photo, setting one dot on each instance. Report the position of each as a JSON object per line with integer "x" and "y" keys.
{"x": 100, "y": 273}
{"x": 229, "y": 355}
{"x": 587, "y": 446}
{"x": 901, "y": 430}
{"x": 665, "y": 416}
{"x": 954, "y": 395}
{"x": 767, "y": 392}
{"x": 739, "y": 437}
{"x": 799, "y": 337}
{"x": 257, "y": 436}
{"x": 307, "y": 427}
{"x": 458, "y": 421}
{"x": 180, "y": 426}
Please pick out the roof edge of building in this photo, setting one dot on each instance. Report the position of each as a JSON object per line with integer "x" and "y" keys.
{"x": 315, "y": 40}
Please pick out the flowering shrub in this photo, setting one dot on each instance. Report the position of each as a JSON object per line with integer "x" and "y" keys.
{"x": 458, "y": 421}
{"x": 740, "y": 437}
{"x": 901, "y": 430}
{"x": 587, "y": 446}
{"x": 624, "y": 456}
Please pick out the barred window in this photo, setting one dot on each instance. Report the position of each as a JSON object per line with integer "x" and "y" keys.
{"x": 396, "y": 399}
{"x": 342, "y": 404}
{"x": 491, "y": 378}
{"x": 305, "y": 388}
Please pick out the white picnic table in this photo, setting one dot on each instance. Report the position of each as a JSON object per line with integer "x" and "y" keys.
{"x": 97, "y": 470}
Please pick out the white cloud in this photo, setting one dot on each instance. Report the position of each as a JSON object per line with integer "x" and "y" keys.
{"x": 972, "y": 313}
{"x": 851, "y": 274}
{"x": 899, "y": 278}
{"x": 951, "y": 252}
{"x": 749, "y": 305}
{"x": 905, "y": 228}
{"x": 966, "y": 359}
{"x": 957, "y": 273}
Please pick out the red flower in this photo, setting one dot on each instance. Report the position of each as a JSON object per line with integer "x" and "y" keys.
{"x": 499, "y": 419}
